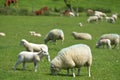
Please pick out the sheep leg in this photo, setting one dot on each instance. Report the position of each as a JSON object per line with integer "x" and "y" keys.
{"x": 48, "y": 58}
{"x": 73, "y": 72}
{"x": 35, "y": 66}
{"x": 24, "y": 66}
{"x": 17, "y": 63}
{"x": 78, "y": 71}
{"x": 89, "y": 71}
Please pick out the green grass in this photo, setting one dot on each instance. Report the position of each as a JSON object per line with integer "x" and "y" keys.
{"x": 105, "y": 62}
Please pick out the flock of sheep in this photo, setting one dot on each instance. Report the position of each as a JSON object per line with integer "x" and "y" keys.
{"x": 71, "y": 57}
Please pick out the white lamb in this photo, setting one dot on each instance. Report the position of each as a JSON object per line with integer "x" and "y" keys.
{"x": 34, "y": 47}
{"x": 71, "y": 14}
{"x": 115, "y": 16}
{"x": 81, "y": 36}
{"x": 54, "y": 35}
{"x": 110, "y": 19}
{"x": 114, "y": 38}
{"x": 2, "y": 34}
{"x": 72, "y": 57}
{"x": 103, "y": 42}
{"x": 34, "y": 57}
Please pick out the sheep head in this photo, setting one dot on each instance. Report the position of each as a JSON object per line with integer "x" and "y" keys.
{"x": 54, "y": 70}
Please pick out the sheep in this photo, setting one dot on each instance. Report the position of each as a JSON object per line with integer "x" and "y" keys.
{"x": 92, "y": 18}
{"x": 99, "y": 13}
{"x": 72, "y": 57}
{"x": 33, "y": 33}
{"x": 26, "y": 56}
{"x": 90, "y": 12}
{"x": 103, "y": 42}
{"x": 81, "y": 36}
{"x": 115, "y": 16}
{"x": 113, "y": 37}
{"x": 2, "y": 34}
{"x": 80, "y": 24}
{"x": 71, "y": 14}
{"x": 53, "y": 35}
{"x": 32, "y": 47}
{"x": 110, "y": 19}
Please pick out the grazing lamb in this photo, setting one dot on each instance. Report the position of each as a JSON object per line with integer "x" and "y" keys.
{"x": 34, "y": 57}
{"x": 2, "y": 34}
{"x": 103, "y": 42}
{"x": 81, "y": 36}
{"x": 110, "y": 19}
{"x": 34, "y": 47}
{"x": 53, "y": 35}
{"x": 114, "y": 38}
{"x": 72, "y": 57}
{"x": 115, "y": 16}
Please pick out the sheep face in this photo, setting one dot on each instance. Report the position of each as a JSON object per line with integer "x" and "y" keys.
{"x": 54, "y": 70}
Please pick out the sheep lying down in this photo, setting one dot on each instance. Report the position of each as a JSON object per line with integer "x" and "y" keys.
{"x": 34, "y": 57}
{"x": 72, "y": 57}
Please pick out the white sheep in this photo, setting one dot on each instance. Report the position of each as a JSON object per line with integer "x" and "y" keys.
{"x": 34, "y": 57}
{"x": 32, "y": 47}
{"x": 81, "y": 36}
{"x": 103, "y": 42}
{"x": 114, "y": 38}
{"x": 99, "y": 13}
{"x": 92, "y": 19}
{"x": 80, "y": 24}
{"x": 71, "y": 14}
{"x": 2, "y": 34}
{"x": 72, "y": 57}
{"x": 53, "y": 35}
{"x": 110, "y": 19}
{"x": 33, "y": 33}
{"x": 115, "y": 16}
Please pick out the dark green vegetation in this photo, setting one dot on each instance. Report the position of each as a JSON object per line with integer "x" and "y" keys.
{"x": 106, "y": 63}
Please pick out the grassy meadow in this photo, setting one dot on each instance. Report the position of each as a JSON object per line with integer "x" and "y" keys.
{"x": 106, "y": 63}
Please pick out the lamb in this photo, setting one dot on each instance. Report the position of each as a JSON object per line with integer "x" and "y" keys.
{"x": 32, "y": 47}
{"x": 71, "y": 14}
{"x": 114, "y": 38}
{"x": 34, "y": 57}
{"x": 103, "y": 42}
{"x": 53, "y": 35}
{"x": 115, "y": 16}
{"x": 110, "y": 19}
{"x": 72, "y": 57}
{"x": 2, "y": 34}
{"x": 82, "y": 36}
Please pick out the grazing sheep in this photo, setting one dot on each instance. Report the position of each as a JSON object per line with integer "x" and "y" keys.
{"x": 110, "y": 19}
{"x": 98, "y": 13}
{"x": 34, "y": 47}
{"x": 114, "y": 38}
{"x": 115, "y": 16}
{"x": 90, "y": 12}
{"x": 53, "y": 35}
{"x": 92, "y": 19}
{"x": 81, "y": 36}
{"x": 103, "y": 42}
{"x": 34, "y": 57}
{"x": 72, "y": 57}
{"x": 2, "y": 34}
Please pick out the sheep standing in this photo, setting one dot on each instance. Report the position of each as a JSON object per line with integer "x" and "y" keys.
{"x": 115, "y": 16}
{"x": 81, "y": 36}
{"x": 34, "y": 57}
{"x": 34, "y": 47}
{"x": 92, "y": 19}
{"x": 72, "y": 57}
{"x": 99, "y": 13}
{"x": 114, "y": 38}
{"x": 110, "y": 19}
{"x": 103, "y": 42}
{"x": 53, "y": 35}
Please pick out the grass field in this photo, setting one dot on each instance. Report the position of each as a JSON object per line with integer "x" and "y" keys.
{"x": 106, "y": 63}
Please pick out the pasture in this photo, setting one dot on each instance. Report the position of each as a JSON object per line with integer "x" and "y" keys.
{"x": 105, "y": 62}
